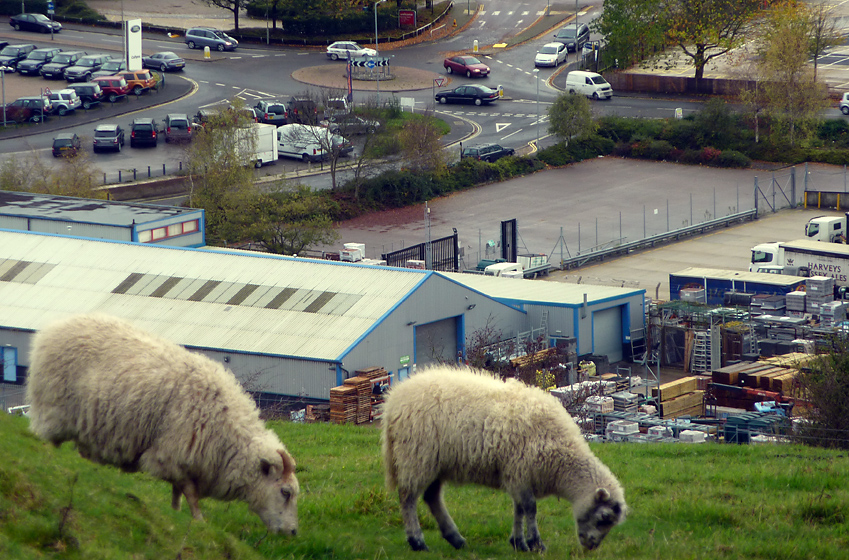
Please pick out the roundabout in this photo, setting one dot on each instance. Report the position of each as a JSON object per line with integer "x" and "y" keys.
{"x": 403, "y": 79}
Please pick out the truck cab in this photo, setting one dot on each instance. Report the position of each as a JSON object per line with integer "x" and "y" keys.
{"x": 767, "y": 257}
{"x": 831, "y": 229}
{"x": 505, "y": 269}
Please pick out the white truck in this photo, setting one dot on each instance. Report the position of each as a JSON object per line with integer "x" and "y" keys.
{"x": 528, "y": 266}
{"x": 802, "y": 258}
{"x": 827, "y": 228}
{"x": 264, "y": 149}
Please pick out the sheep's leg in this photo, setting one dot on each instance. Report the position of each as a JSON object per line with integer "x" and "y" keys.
{"x": 517, "y": 538}
{"x": 533, "y": 538}
{"x": 190, "y": 491}
{"x": 176, "y": 497}
{"x": 433, "y": 498}
{"x": 415, "y": 538}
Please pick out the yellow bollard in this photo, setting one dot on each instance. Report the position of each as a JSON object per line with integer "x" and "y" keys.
{"x": 455, "y": 22}
{"x": 475, "y": 46}
{"x": 206, "y": 54}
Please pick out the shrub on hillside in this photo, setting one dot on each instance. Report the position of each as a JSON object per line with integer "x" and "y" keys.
{"x": 825, "y": 383}
{"x": 733, "y": 158}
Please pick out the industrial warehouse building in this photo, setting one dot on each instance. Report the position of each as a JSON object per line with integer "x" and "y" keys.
{"x": 102, "y": 219}
{"x": 289, "y": 326}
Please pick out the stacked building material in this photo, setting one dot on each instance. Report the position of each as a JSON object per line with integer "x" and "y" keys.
{"x": 832, "y": 313}
{"x": 363, "y": 386}
{"x": 681, "y": 397}
{"x": 343, "y": 404}
{"x": 796, "y": 304}
{"x": 820, "y": 290}
{"x": 624, "y": 401}
{"x": 597, "y": 403}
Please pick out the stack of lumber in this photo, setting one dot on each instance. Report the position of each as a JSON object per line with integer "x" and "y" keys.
{"x": 343, "y": 404}
{"x": 363, "y": 387}
{"x": 530, "y": 359}
{"x": 681, "y": 397}
{"x": 776, "y": 374}
{"x": 372, "y": 373}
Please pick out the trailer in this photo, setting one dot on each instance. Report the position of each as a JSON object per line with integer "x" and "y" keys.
{"x": 803, "y": 258}
{"x": 717, "y": 283}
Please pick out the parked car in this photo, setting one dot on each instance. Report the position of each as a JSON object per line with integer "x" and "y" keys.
{"x": 468, "y": 94}
{"x": 487, "y": 152}
{"x": 12, "y": 54}
{"x": 350, "y": 124}
{"x": 200, "y": 37}
{"x": 113, "y": 87}
{"x": 111, "y": 67}
{"x": 573, "y": 37}
{"x": 302, "y": 110}
{"x": 272, "y": 112}
{"x": 89, "y": 93}
{"x": 64, "y": 101}
{"x": 32, "y": 64}
{"x": 66, "y": 144}
{"x": 86, "y": 66}
{"x": 551, "y": 54}
{"x": 178, "y": 128}
{"x": 144, "y": 132}
{"x": 347, "y": 50}
{"x": 32, "y": 109}
{"x": 108, "y": 137}
{"x": 468, "y": 65}
{"x": 55, "y": 69}
{"x": 34, "y": 22}
{"x": 163, "y": 61}
{"x": 138, "y": 80}
{"x": 844, "y": 104}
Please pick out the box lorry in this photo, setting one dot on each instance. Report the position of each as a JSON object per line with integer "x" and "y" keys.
{"x": 527, "y": 266}
{"x": 827, "y": 228}
{"x": 265, "y": 143}
{"x": 713, "y": 286}
{"x": 803, "y": 258}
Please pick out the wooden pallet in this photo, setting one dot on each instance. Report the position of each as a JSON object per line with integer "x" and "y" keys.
{"x": 676, "y": 388}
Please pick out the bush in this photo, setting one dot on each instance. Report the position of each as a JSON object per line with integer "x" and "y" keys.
{"x": 733, "y": 158}
{"x": 825, "y": 383}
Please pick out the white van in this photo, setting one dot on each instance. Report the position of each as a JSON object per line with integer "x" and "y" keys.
{"x": 589, "y": 84}
{"x": 301, "y": 141}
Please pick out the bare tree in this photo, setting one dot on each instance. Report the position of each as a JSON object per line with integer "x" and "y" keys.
{"x": 823, "y": 28}
{"x": 420, "y": 146}
{"x": 234, "y": 6}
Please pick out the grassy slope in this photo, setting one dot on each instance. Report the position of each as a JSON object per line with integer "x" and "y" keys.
{"x": 705, "y": 501}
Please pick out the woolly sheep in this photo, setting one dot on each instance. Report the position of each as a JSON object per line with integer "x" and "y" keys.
{"x": 450, "y": 424}
{"x": 138, "y": 402}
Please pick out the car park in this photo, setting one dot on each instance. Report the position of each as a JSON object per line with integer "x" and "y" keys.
{"x": 89, "y": 93}
{"x": 478, "y": 95}
{"x": 350, "y": 124}
{"x": 34, "y": 22}
{"x": 28, "y": 109}
{"x": 144, "y": 132}
{"x": 551, "y": 54}
{"x": 139, "y": 80}
{"x": 111, "y": 67}
{"x": 302, "y": 110}
{"x": 272, "y": 112}
{"x": 85, "y": 67}
{"x": 163, "y": 61}
{"x": 55, "y": 69}
{"x": 310, "y": 143}
{"x": 487, "y": 152}
{"x": 66, "y": 144}
{"x": 108, "y": 137}
{"x": 32, "y": 64}
{"x": 466, "y": 65}
{"x": 348, "y": 50}
{"x": 178, "y": 128}
{"x": 113, "y": 87}
{"x": 200, "y": 37}
{"x": 573, "y": 36}
{"x": 64, "y": 101}
{"x": 10, "y": 55}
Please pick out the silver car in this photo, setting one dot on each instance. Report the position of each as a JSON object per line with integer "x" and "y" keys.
{"x": 348, "y": 50}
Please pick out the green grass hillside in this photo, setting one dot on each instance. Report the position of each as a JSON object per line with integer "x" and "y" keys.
{"x": 688, "y": 501}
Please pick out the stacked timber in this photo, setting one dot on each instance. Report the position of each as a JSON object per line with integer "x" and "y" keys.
{"x": 363, "y": 387}
{"x": 372, "y": 373}
{"x": 767, "y": 379}
{"x": 531, "y": 359}
{"x": 343, "y": 404}
{"x": 681, "y": 397}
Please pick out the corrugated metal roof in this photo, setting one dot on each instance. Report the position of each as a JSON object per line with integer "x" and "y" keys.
{"x": 249, "y": 302}
{"x": 539, "y": 291}
{"x": 741, "y": 275}
{"x": 48, "y": 206}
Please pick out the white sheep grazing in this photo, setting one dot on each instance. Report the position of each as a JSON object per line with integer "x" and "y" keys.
{"x": 138, "y": 402}
{"x": 451, "y": 424}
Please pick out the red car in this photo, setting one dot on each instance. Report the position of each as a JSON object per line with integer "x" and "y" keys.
{"x": 468, "y": 65}
{"x": 114, "y": 87}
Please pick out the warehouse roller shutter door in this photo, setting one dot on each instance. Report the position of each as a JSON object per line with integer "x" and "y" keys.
{"x": 607, "y": 333}
{"x": 436, "y": 343}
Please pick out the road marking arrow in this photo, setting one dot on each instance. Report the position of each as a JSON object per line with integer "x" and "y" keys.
{"x": 501, "y": 126}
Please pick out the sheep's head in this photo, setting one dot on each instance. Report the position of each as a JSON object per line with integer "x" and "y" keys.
{"x": 595, "y": 518}
{"x": 275, "y": 498}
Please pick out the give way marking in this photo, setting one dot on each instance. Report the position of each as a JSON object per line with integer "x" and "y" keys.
{"x": 501, "y": 126}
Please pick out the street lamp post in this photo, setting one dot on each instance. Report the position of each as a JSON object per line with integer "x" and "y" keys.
{"x": 3, "y": 82}
{"x": 377, "y": 51}
{"x": 536, "y": 73}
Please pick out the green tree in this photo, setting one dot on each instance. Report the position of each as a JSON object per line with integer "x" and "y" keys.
{"x": 825, "y": 384}
{"x": 234, "y": 6}
{"x": 707, "y": 29}
{"x": 290, "y": 222}
{"x": 632, "y": 30}
{"x": 570, "y": 115}
{"x": 420, "y": 147}
{"x": 73, "y": 176}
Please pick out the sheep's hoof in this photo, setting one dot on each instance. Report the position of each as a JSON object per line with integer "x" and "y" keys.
{"x": 519, "y": 544}
{"x": 417, "y": 544}
{"x": 536, "y": 545}
{"x": 456, "y": 540}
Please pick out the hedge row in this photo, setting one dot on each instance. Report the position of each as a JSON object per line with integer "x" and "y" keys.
{"x": 296, "y": 22}
{"x": 73, "y": 9}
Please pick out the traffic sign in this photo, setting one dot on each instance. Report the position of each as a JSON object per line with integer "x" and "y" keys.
{"x": 370, "y": 64}
{"x": 439, "y": 81}
{"x": 50, "y": 8}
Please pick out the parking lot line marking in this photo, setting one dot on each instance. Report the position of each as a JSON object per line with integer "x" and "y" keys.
{"x": 511, "y": 134}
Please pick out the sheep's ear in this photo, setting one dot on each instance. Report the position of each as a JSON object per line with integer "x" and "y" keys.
{"x": 288, "y": 463}
{"x": 602, "y": 495}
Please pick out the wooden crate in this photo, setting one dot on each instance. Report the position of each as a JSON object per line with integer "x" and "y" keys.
{"x": 343, "y": 404}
